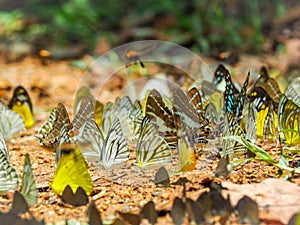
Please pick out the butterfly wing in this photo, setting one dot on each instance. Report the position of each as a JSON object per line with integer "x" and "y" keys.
{"x": 86, "y": 111}
{"x": 162, "y": 116}
{"x": 289, "y": 120}
{"x": 232, "y": 128}
{"x": 29, "y": 189}
{"x": 136, "y": 115}
{"x": 48, "y": 135}
{"x": 115, "y": 148}
{"x": 9, "y": 178}
{"x": 91, "y": 141}
{"x": 293, "y": 90}
{"x": 71, "y": 170}
{"x": 10, "y": 122}
{"x": 21, "y": 104}
{"x": 151, "y": 149}
{"x": 3, "y": 148}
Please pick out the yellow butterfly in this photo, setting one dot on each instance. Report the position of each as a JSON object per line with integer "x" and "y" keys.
{"x": 71, "y": 170}
{"x": 21, "y": 104}
{"x": 289, "y": 120}
{"x": 186, "y": 154}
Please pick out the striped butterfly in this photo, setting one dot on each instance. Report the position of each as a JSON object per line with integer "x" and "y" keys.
{"x": 195, "y": 123}
{"x": 108, "y": 151}
{"x": 83, "y": 92}
{"x": 136, "y": 115}
{"x": 196, "y": 100}
{"x": 48, "y": 135}
{"x": 21, "y": 104}
{"x": 121, "y": 109}
{"x": 231, "y": 147}
{"x": 162, "y": 117}
{"x": 29, "y": 189}
{"x": 270, "y": 85}
{"x": 234, "y": 102}
{"x": 9, "y": 178}
{"x": 10, "y": 122}
{"x": 220, "y": 81}
{"x": 214, "y": 113}
{"x": 266, "y": 116}
{"x": 293, "y": 90}
{"x": 151, "y": 149}
{"x": 289, "y": 120}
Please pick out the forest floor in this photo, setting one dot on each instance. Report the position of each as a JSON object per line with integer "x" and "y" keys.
{"x": 129, "y": 188}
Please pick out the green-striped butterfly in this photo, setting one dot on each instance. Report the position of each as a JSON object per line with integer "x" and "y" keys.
{"x": 9, "y": 178}
{"x": 151, "y": 149}
{"x": 289, "y": 120}
{"x": 108, "y": 151}
{"x": 29, "y": 189}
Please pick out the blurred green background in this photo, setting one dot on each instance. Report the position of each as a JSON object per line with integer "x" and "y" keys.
{"x": 202, "y": 25}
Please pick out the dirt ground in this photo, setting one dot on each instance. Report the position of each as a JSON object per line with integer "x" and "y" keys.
{"x": 126, "y": 189}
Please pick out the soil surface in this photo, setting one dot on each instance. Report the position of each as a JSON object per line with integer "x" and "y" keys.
{"x": 126, "y": 189}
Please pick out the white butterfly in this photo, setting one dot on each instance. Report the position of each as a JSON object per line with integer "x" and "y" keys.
{"x": 109, "y": 151}
{"x": 10, "y": 122}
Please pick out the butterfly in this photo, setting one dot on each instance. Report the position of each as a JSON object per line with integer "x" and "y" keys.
{"x": 162, "y": 117}
{"x": 219, "y": 79}
{"x": 293, "y": 90}
{"x": 93, "y": 214}
{"x": 78, "y": 198}
{"x": 247, "y": 210}
{"x": 19, "y": 206}
{"x": 84, "y": 92}
{"x": 289, "y": 120}
{"x": 10, "y": 122}
{"x": 109, "y": 151}
{"x": 196, "y": 100}
{"x": 162, "y": 177}
{"x": 121, "y": 109}
{"x": 214, "y": 113}
{"x": 21, "y": 104}
{"x": 48, "y": 135}
{"x": 9, "y": 178}
{"x": 270, "y": 85}
{"x": 29, "y": 189}
{"x": 231, "y": 147}
{"x": 234, "y": 101}
{"x": 151, "y": 148}
{"x": 186, "y": 153}
{"x": 136, "y": 115}
{"x": 147, "y": 212}
{"x": 194, "y": 123}
{"x": 266, "y": 117}
{"x": 71, "y": 170}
